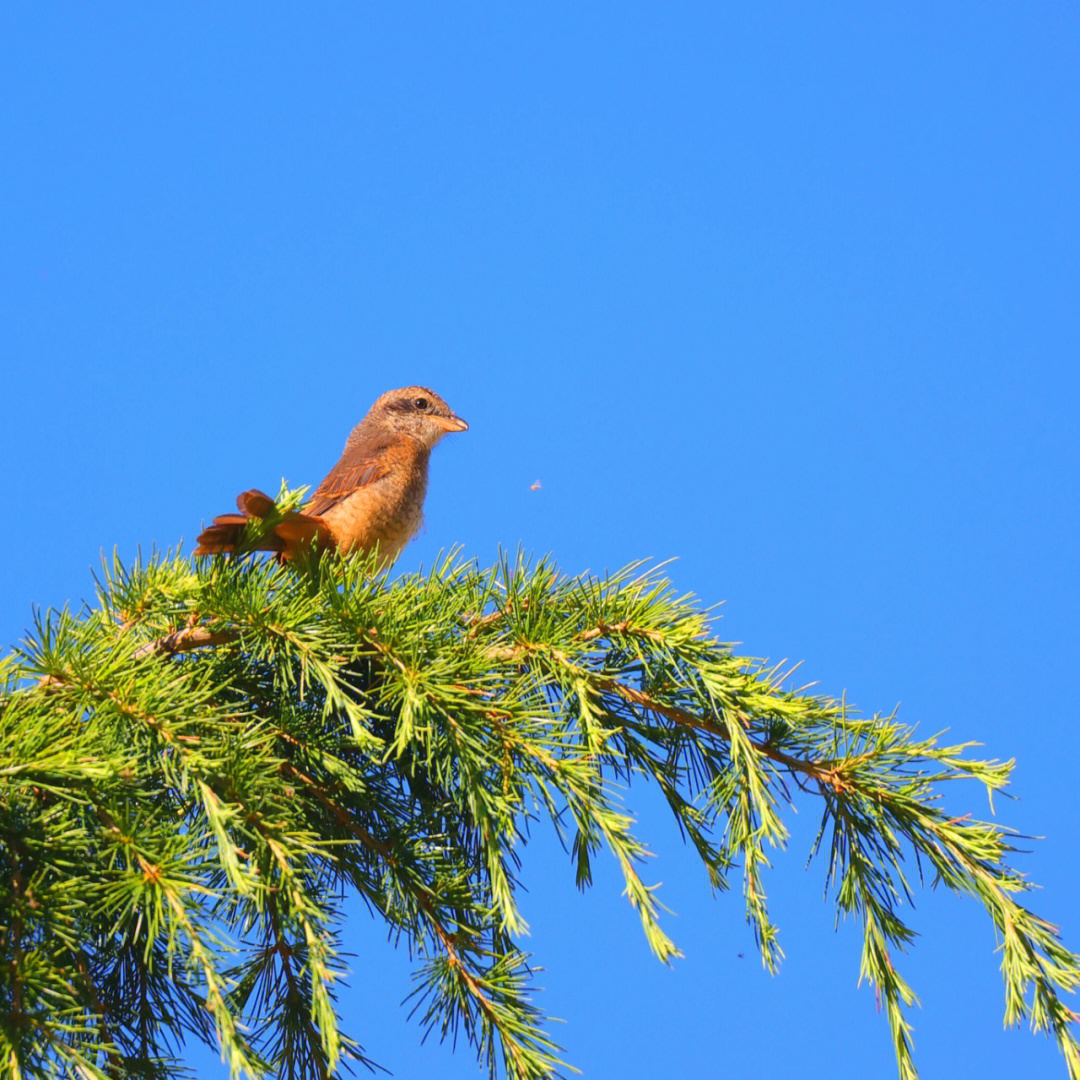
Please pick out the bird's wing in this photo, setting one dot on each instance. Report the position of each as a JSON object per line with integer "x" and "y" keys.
{"x": 360, "y": 465}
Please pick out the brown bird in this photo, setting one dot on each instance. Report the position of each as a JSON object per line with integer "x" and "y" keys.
{"x": 373, "y": 497}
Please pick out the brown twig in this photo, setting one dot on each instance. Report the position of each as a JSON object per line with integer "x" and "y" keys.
{"x": 285, "y": 952}
{"x": 191, "y": 637}
{"x": 605, "y": 629}
{"x": 446, "y": 938}
{"x": 816, "y": 770}
{"x": 824, "y": 773}
{"x": 480, "y": 622}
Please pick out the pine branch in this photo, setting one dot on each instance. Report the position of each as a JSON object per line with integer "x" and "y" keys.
{"x": 195, "y": 770}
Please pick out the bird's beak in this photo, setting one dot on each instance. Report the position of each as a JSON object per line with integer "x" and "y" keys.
{"x": 451, "y": 423}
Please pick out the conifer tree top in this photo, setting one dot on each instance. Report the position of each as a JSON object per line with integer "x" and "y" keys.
{"x": 199, "y": 767}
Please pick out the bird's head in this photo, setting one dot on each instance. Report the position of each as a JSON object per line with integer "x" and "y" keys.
{"x": 414, "y": 411}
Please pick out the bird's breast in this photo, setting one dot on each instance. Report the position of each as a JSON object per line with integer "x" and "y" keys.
{"x": 385, "y": 513}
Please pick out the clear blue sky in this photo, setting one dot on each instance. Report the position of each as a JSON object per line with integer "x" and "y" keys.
{"x": 789, "y": 291}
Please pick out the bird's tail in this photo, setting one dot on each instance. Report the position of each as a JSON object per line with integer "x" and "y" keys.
{"x": 295, "y": 531}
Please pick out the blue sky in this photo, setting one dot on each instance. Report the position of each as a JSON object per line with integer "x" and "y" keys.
{"x": 788, "y": 291}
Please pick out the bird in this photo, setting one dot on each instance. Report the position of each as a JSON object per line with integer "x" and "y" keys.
{"x": 372, "y": 498}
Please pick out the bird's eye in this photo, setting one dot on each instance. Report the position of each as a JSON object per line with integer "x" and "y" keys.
{"x": 421, "y": 403}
